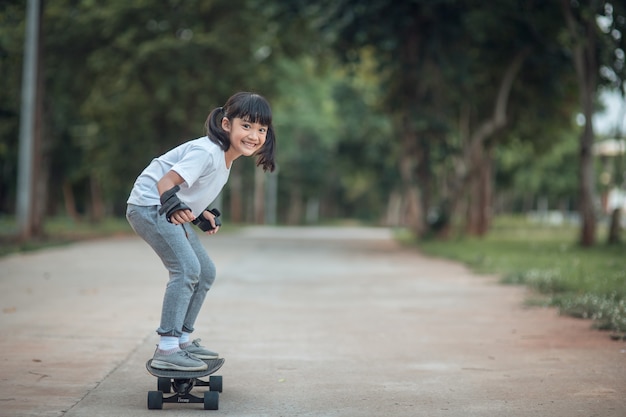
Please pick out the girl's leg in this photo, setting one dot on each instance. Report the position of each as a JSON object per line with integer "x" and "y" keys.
{"x": 205, "y": 281}
{"x": 171, "y": 244}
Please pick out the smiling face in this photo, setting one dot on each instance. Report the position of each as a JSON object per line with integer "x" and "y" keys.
{"x": 246, "y": 138}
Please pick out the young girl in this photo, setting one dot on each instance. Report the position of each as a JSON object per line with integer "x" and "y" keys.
{"x": 174, "y": 190}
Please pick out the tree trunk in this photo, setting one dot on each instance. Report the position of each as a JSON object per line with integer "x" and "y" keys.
{"x": 70, "y": 202}
{"x": 587, "y": 187}
{"x": 294, "y": 215}
{"x": 480, "y": 198}
{"x": 235, "y": 188}
{"x": 97, "y": 201}
{"x": 456, "y": 198}
{"x": 473, "y": 172}
{"x": 41, "y": 158}
{"x": 406, "y": 104}
{"x": 259, "y": 196}
{"x": 584, "y": 55}
{"x": 614, "y": 228}
{"x": 271, "y": 198}
{"x": 394, "y": 206}
{"x": 412, "y": 213}
{"x": 424, "y": 177}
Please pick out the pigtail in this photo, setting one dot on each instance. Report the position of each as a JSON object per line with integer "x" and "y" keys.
{"x": 214, "y": 129}
{"x": 267, "y": 153}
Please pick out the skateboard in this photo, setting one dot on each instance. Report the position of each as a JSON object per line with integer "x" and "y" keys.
{"x": 182, "y": 382}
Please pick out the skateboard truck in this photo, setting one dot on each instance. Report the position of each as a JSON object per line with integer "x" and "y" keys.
{"x": 182, "y": 383}
{"x": 182, "y": 388}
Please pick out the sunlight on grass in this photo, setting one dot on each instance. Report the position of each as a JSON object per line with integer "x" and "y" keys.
{"x": 587, "y": 283}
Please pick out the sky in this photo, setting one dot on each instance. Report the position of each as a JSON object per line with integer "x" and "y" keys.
{"x": 606, "y": 123}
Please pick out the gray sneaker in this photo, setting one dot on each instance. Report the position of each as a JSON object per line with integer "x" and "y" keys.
{"x": 180, "y": 360}
{"x": 199, "y": 351}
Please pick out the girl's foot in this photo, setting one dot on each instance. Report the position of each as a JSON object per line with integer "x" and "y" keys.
{"x": 177, "y": 360}
{"x": 198, "y": 350}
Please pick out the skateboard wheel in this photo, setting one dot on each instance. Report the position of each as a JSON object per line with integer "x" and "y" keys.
{"x": 155, "y": 400}
{"x": 211, "y": 400}
{"x": 215, "y": 383}
{"x": 164, "y": 385}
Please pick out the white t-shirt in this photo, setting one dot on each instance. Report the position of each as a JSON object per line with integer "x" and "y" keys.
{"x": 200, "y": 162}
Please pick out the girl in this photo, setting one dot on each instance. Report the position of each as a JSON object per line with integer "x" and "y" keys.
{"x": 174, "y": 190}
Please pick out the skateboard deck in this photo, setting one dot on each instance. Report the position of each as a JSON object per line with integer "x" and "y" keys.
{"x": 182, "y": 383}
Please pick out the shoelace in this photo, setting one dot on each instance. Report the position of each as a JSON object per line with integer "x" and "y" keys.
{"x": 187, "y": 354}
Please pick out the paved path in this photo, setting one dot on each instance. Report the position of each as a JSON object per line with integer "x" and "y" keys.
{"x": 312, "y": 322}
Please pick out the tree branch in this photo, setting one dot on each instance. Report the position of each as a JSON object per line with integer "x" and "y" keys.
{"x": 499, "y": 118}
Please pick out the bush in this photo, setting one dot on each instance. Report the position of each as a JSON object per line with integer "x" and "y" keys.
{"x": 589, "y": 283}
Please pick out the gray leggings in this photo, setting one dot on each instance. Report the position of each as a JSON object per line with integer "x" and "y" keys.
{"x": 191, "y": 270}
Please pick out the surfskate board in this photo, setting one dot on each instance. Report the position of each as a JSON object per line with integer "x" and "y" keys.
{"x": 182, "y": 382}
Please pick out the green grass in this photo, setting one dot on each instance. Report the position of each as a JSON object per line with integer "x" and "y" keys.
{"x": 587, "y": 283}
{"x": 58, "y": 231}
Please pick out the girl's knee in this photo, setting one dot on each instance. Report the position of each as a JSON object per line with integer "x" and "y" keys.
{"x": 207, "y": 275}
{"x": 207, "y": 279}
{"x": 187, "y": 273}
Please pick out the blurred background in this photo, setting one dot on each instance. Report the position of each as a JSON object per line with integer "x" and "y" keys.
{"x": 435, "y": 116}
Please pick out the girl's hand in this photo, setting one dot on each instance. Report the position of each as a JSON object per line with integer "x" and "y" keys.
{"x": 211, "y": 218}
{"x": 182, "y": 216}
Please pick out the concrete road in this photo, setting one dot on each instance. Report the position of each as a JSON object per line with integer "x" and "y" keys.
{"x": 312, "y": 322}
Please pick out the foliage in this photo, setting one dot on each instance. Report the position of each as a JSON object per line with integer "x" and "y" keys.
{"x": 11, "y": 44}
{"x": 586, "y": 283}
{"x": 355, "y": 96}
{"x": 143, "y": 77}
{"x": 611, "y": 22}
{"x": 440, "y": 66}
{"x": 554, "y": 174}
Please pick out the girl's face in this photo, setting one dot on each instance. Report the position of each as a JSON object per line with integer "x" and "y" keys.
{"x": 246, "y": 137}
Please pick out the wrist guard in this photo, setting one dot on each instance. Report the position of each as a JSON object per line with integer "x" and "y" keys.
{"x": 204, "y": 224}
{"x": 170, "y": 203}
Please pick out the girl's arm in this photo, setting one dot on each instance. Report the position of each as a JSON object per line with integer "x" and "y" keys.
{"x": 169, "y": 181}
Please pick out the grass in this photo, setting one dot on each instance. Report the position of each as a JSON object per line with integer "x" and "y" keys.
{"x": 587, "y": 283}
{"x": 58, "y": 231}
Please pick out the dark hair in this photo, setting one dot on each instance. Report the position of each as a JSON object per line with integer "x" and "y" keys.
{"x": 250, "y": 107}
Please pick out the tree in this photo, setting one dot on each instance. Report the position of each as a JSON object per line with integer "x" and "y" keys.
{"x": 593, "y": 48}
{"x": 139, "y": 79}
{"x": 449, "y": 70}
{"x": 306, "y": 117}
{"x": 510, "y": 79}
{"x": 415, "y": 110}
{"x": 406, "y": 44}
{"x": 12, "y": 30}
